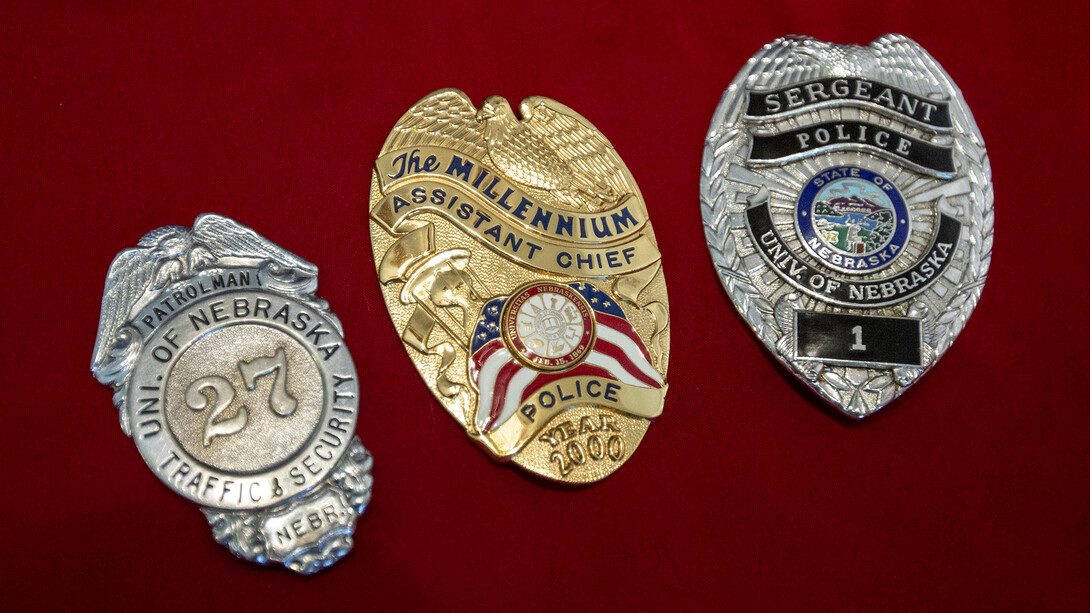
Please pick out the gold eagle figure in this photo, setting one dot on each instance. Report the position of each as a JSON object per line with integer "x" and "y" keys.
{"x": 554, "y": 150}
{"x": 554, "y": 153}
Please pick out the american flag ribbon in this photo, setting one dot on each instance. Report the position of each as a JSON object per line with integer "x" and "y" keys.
{"x": 505, "y": 383}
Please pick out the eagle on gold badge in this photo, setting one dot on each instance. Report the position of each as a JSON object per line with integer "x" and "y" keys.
{"x": 551, "y": 150}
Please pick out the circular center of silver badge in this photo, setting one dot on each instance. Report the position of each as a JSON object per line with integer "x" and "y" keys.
{"x": 852, "y": 219}
{"x": 243, "y": 398}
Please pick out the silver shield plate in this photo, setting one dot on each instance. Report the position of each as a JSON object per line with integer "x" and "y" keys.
{"x": 847, "y": 204}
{"x": 233, "y": 380}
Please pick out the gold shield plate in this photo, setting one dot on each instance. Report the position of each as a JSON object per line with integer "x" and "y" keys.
{"x": 521, "y": 271}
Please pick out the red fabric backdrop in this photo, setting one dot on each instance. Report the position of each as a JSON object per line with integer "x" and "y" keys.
{"x": 968, "y": 492}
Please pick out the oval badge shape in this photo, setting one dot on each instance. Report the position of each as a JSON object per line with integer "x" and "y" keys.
{"x": 520, "y": 269}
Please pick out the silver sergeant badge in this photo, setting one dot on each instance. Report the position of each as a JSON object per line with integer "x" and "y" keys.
{"x": 236, "y": 385}
{"x": 847, "y": 204}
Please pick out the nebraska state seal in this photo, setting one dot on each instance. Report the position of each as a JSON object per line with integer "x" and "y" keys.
{"x": 520, "y": 269}
{"x": 847, "y": 203}
{"x": 234, "y": 382}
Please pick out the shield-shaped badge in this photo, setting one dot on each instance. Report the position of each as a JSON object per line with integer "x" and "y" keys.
{"x": 520, "y": 269}
{"x": 847, "y": 204}
{"x": 233, "y": 380}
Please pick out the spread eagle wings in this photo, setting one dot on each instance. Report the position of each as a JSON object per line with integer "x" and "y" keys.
{"x": 775, "y": 65}
{"x": 226, "y": 238}
{"x": 130, "y": 275}
{"x": 213, "y": 241}
{"x": 904, "y": 63}
{"x": 580, "y": 145}
{"x": 893, "y": 59}
{"x": 445, "y": 118}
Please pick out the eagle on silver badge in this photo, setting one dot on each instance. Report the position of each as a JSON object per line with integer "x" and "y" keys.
{"x": 169, "y": 254}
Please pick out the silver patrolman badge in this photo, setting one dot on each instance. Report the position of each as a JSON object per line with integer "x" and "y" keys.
{"x": 847, "y": 204}
{"x": 233, "y": 379}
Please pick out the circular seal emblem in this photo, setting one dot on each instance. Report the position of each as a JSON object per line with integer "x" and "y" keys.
{"x": 243, "y": 402}
{"x": 852, "y": 219}
{"x": 548, "y": 326}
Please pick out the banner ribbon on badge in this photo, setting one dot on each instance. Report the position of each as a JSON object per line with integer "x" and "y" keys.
{"x": 567, "y": 393}
{"x": 927, "y": 112}
{"x": 493, "y": 227}
{"x": 505, "y": 198}
{"x": 935, "y": 160}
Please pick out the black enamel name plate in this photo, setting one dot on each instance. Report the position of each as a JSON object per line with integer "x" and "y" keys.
{"x": 850, "y": 339}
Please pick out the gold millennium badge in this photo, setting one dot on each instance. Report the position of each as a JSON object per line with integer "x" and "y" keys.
{"x": 519, "y": 266}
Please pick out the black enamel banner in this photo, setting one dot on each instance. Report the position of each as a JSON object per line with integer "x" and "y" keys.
{"x": 861, "y": 135}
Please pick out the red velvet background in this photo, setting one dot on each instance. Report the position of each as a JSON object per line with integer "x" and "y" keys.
{"x": 970, "y": 491}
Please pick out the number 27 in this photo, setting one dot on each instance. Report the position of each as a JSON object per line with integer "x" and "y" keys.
{"x": 280, "y": 401}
